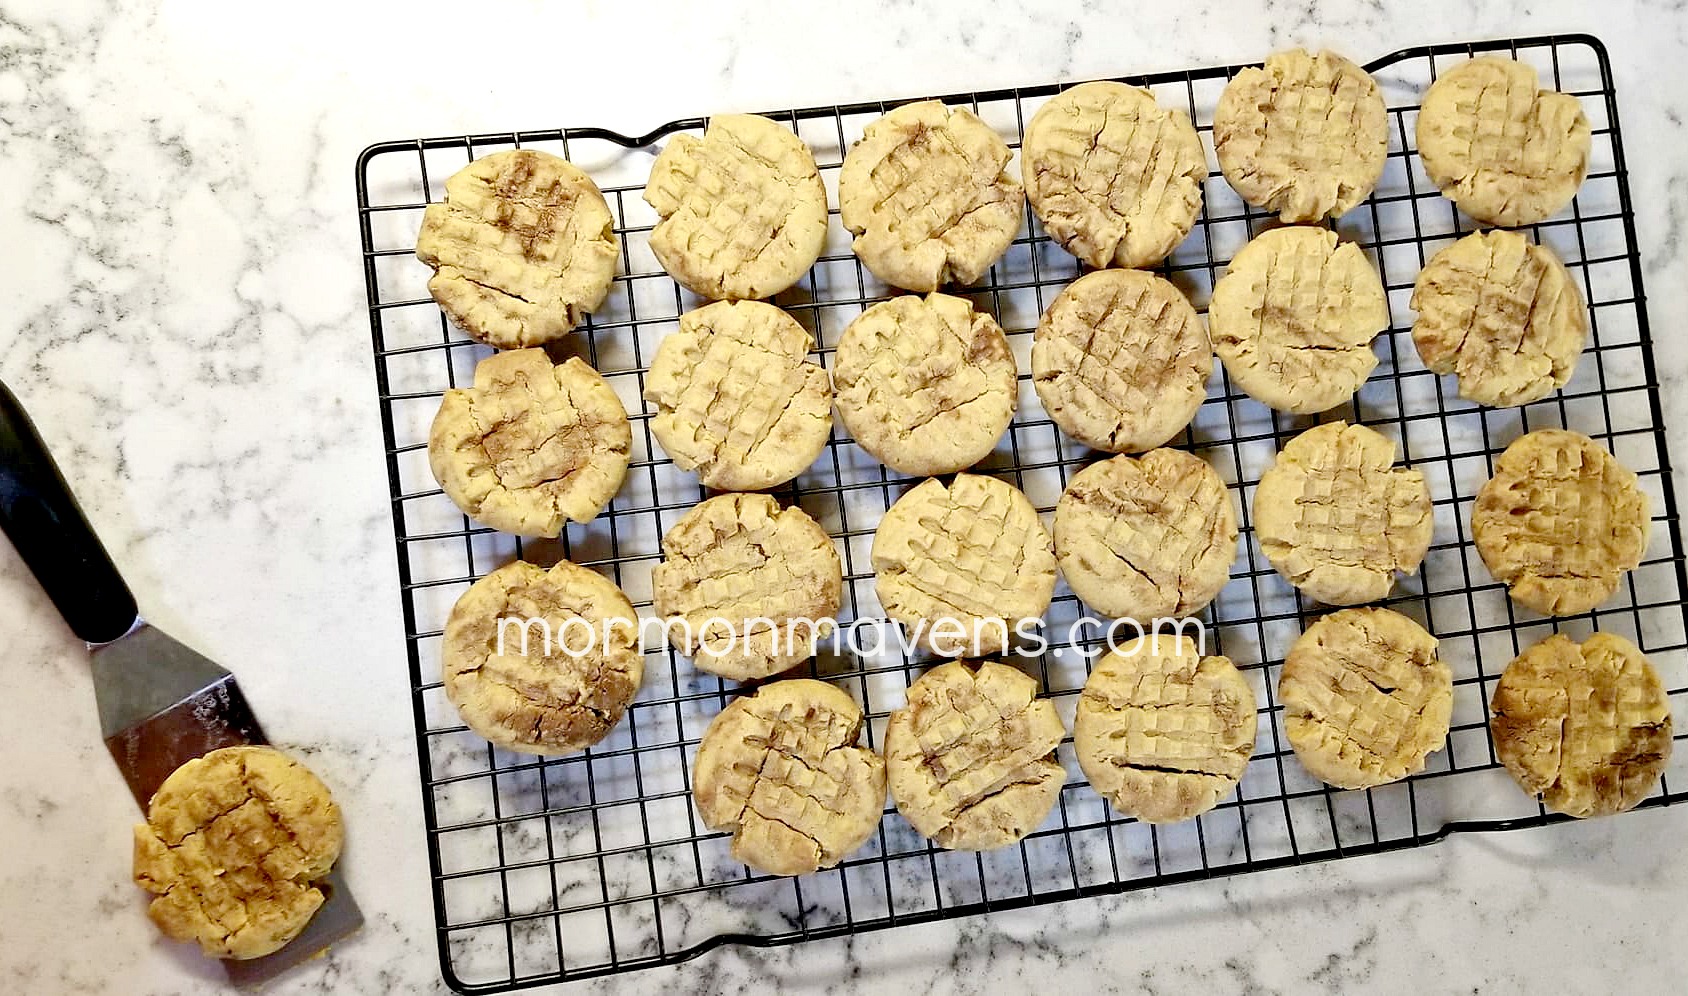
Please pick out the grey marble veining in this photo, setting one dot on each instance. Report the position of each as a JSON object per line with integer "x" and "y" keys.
{"x": 184, "y": 316}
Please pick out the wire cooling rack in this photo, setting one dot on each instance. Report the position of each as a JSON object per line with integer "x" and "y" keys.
{"x": 567, "y": 868}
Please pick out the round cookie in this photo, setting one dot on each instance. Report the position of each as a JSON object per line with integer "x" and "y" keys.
{"x": 925, "y": 385}
{"x": 531, "y": 444}
{"x": 522, "y": 247}
{"x": 740, "y": 558}
{"x": 1365, "y": 698}
{"x": 233, "y": 848}
{"x": 1162, "y": 732}
{"x": 736, "y": 398}
{"x": 928, "y": 195}
{"x": 1294, "y": 316}
{"x": 971, "y": 757}
{"x": 542, "y": 662}
{"x": 1586, "y": 729}
{"x": 1501, "y": 313}
{"x": 1561, "y": 522}
{"x": 743, "y": 212}
{"x": 1505, "y": 151}
{"x": 1148, "y": 537}
{"x": 781, "y": 770}
{"x": 961, "y": 562}
{"x": 1115, "y": 178}
{"x": 1304, "y": 136}
{"x": 1120, "y": 360}
{"x": 1337, "y": 519}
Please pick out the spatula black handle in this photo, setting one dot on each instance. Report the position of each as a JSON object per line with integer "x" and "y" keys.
{"x": 40, "y": 516}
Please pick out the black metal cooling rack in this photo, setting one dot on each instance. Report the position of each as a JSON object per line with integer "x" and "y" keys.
{"x": 567, "y": 868}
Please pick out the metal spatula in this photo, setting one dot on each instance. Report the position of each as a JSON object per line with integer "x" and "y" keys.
{"x": 160, "y": 703}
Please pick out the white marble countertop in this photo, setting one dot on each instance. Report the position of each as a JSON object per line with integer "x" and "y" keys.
{"x": 184, "y": 316}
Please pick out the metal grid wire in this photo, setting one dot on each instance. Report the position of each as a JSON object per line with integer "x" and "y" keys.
{"x": 566, "y": 868}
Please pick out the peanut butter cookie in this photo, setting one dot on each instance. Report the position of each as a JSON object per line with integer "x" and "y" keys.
{"x": 1148, "y": 537}
{"x": 531, "y": 444}
{"x": 1162, "y": 732}
{"x": 749, "y": 582}
{"x": 1114, "y": 177}
{"x": 963, "y": 565}
{"x": 1304, "y": 136}
{"x": 971, "y": 757}
{"x": 1120, "y": 360}
{"x": 1365, "y": 698}
{"x": 234, "y": 846}
{"x": 743, "y": 210}
{"x": 1507, "y": 152}
{"x": 1337, "y": 519}
{"x": 542, "y": 662}
{"x": 1501, "y": 313}
{"x": 737, "y": 400}
{"x": 929, "y": 197}
{"x": 781, "y": 770}
{"x": 1587, "y": 728}
{"x": 1294, "y": 316}
{"x": 1561, "y": 522}
{"x": 522, "y": 247}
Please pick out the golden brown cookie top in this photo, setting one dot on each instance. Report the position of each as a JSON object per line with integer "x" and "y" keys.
{"x": 1338, "y": 519}
{"x": 781, "y": 770}
{"x": 962, "y": 564}
{"x": 1561, "y": 522}
{"x": 737, "y": 398}
{"x": 1586, "y": 728}
{"x": 926, "y": 385}
{"x": 522, "y": 247}
{"x": 1365, "y": 697}
{"x": 971, "y": 756}
{"x": 1305, "y": 136}
{"x": 746, "y": 578}
{"x": 1503, "y": 149}
{"x": 743, "y": 209}
{"x": 1121, "y": 360}
{"x": 1115, "y": 178}
{"x": 531, "y": 694}
{"x": 531, "y": 445}
{"x": 929, "y": 196}
{"x": 1294, "y": 316}
{"x": 1162, "y": 732}
{"x": 233, "y": 847}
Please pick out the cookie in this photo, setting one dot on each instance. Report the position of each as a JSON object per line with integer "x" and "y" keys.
{"x": 1502, "y": 314}
{"x": 971, "y": 756}
{"x": 1337, "y": 519}
{"x": 1162, "y": 732}
{"x": 1294, "y": 316}
{"x": 1561, "y": 522}
{"x": 542, "y": 661}
{"x": 737, "y": 400}
{"x": 1587, "y": 728}
{"x": 233, "y": 848}
{"x": 1507, "y": 152}
{"x": 963, "y": 561}
{"x": 1365, "y": 698}
{"x": 1304, "y": 136}
{"x": 743, "y": 212}
{"x": 782, "y": 772}
{"x": 929, "y": 197}
{"x": 522, "y": 247}
{"x": 926, "y": 385}
{"x": 745, "y": 585}
{"x": 1120, "y": 360}
{"x": 531, "y": 445}
{"x": 1115, "y": 178}
{"x": 1148, "y": 537}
